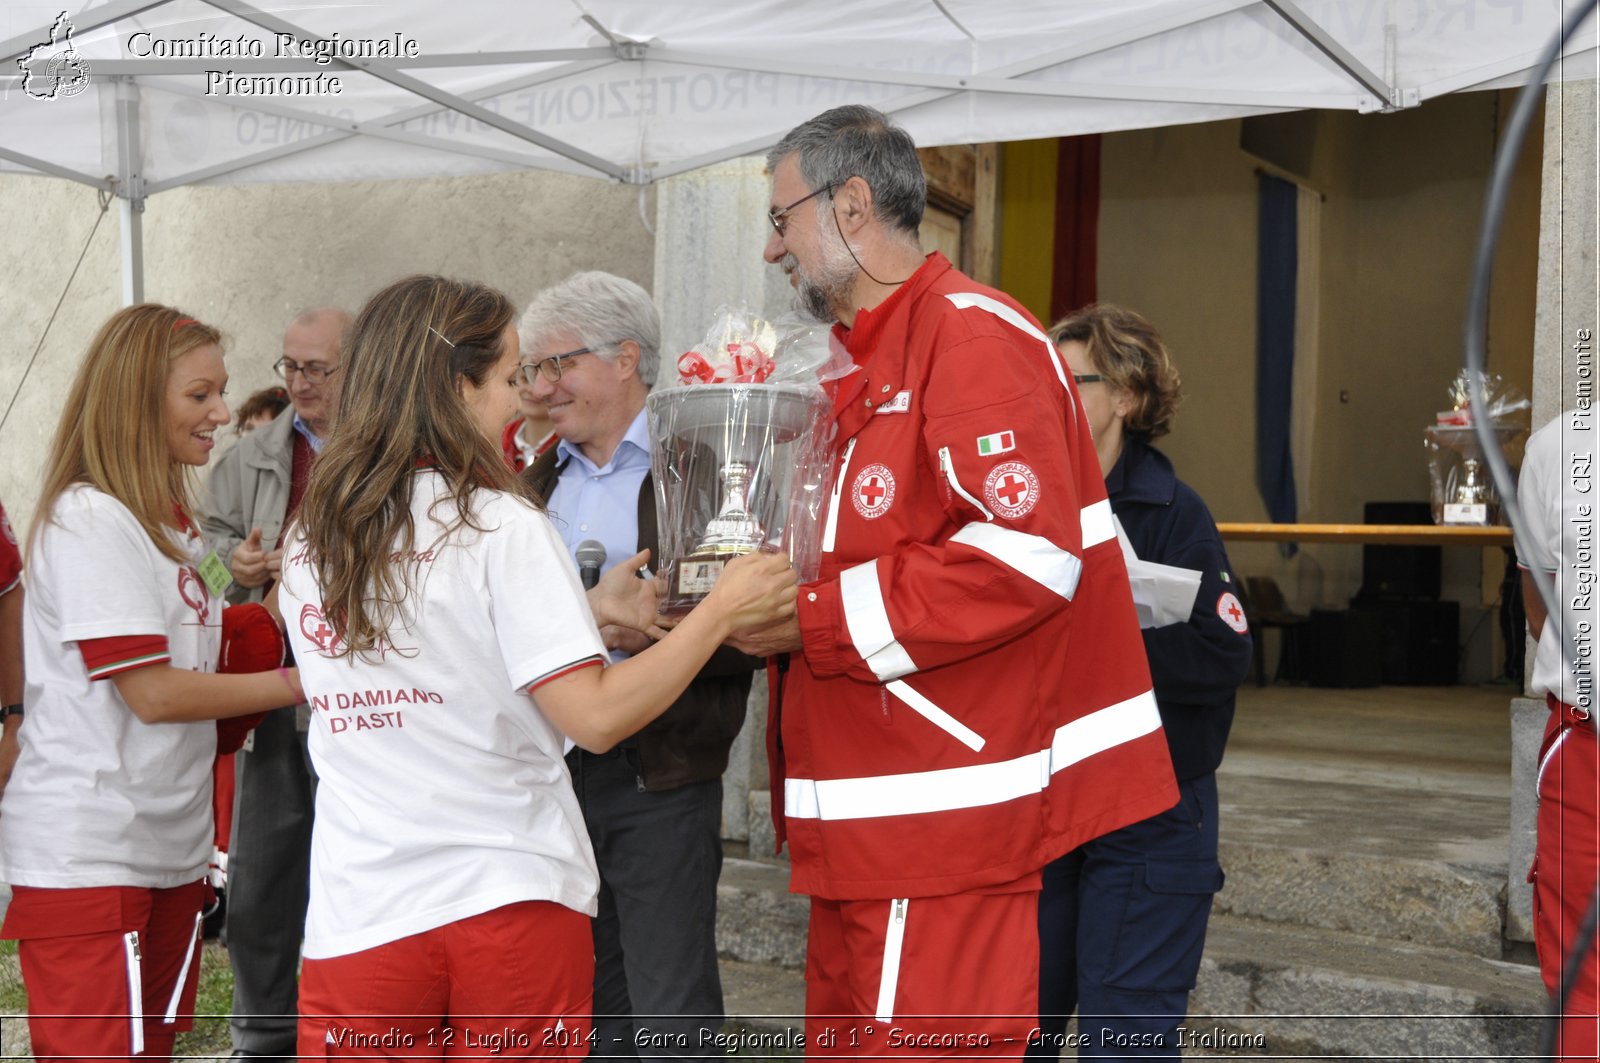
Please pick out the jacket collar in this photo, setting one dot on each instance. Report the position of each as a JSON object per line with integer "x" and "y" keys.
{"x": 1143, "y": 475}
{"x": 271, "y": 446}
{"x": 882, "y": 365}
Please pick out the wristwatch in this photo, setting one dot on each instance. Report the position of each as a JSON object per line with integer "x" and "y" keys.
{"x": 9, "y": 711}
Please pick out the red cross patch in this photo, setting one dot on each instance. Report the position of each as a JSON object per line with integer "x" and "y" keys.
{"x": 318, "y": 631}
{"x": 1232, "y": 612}
{"x": 1011, "y": 489}
{"x": 873, "y": 491}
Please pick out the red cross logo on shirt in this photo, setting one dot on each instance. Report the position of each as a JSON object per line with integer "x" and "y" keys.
{"x": 318, "y": 631}
{"x": 873, "y": 491}
{"x": 192, "y": 589}
{"x": 1011, "y": 489}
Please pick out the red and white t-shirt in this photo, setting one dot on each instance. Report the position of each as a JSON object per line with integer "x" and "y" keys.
{"x": 98, "y": 797}
{"x": 443, "y": 793}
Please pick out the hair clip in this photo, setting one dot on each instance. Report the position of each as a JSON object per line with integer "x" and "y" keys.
{"x": 441, "y": 335}
{"x": 182, "y": 321}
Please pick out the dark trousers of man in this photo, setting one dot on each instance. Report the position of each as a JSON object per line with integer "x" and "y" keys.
{"x": 268, "y": 870}
{"x": 1122, "y": 924}
{"x": 657, "y": 992}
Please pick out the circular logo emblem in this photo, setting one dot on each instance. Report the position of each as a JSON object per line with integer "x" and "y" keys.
{"x": 318, "y": 631}
{"x": 873, "y": 491}
{"x": 1011, "y": 489}
{"x": 1232, "y": 612}
{"x": 69, "y": 73}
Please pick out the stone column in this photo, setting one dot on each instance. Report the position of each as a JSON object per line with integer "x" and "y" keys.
{"x": 1569, "y": 288}
{"x": 711, "y": 227}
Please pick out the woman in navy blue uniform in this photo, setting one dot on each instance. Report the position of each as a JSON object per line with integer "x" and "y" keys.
{"x": 1122, "y": 919}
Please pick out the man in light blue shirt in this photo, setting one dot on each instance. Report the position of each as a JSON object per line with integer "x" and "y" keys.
{"x": 653, "y": 805}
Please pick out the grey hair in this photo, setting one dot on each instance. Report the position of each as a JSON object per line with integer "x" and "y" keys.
{"x": 599, "y": 310}
{"x": 858, "y": 141}
{"x": 346, "y": 320}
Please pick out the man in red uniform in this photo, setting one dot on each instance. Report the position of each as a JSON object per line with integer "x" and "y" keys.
{"x": 965, "y": 695}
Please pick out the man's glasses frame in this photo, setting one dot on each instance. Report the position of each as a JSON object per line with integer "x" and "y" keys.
{"x": 312, "y": 371}
{"x": 550, "y": 368}
{"x": 780, "y": 218}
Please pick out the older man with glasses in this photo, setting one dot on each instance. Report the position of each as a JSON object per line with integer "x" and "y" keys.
{"x": 252, "y": 493}
{"x": 963, "y": 694}
{"x": 652, "y": 805}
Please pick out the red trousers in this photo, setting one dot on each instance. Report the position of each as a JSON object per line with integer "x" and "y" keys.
{"x": 111, "y": 971}
{"x": 929, "y": 976}
{"x": 1566, "y": 866}
{"x": 511, "y": 983}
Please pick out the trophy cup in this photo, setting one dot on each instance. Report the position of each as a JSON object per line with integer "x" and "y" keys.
{"x": 737, "y": 469}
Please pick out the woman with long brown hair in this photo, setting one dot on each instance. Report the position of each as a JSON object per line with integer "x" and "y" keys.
{"x": 448, "y": 653}
{"x": 105, "y": 826}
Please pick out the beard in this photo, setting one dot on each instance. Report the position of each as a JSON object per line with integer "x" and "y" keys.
{"x": 820, "y": 294}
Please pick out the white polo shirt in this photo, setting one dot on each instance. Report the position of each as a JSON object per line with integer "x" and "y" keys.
{"x": 443, "y": 793}
{"x": 1559, "y": 495}
{"x": 99, "y": 798}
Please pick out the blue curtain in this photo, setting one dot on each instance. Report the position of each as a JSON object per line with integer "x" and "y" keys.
{"x": 1275, "y": 312}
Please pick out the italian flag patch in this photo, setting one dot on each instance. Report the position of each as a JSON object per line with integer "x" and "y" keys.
{"x": 997, "y": 443}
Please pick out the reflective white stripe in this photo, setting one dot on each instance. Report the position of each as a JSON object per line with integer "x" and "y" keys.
{"x": 1106, "y": 729}
{"x": 1097, "y": 523}
{"x": 949, "y": 469}
{"x": 893, "y": 941}
{"x": 183, "y": 975}
{"x": 971, "y": 300}
{"x": 1032, "y": 555}
{"x": 976, "y": 786}
{"x": 130, "y": 953}
{"x": 1538, "y": 782}
{"x": 830, "y": 529}
{"x": 866, "y": 617}
{"x": 935, "y": 715}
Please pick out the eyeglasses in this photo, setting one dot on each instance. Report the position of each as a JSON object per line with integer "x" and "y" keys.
{"x": 1087, "y": 378}
{"x": 550, "y": 367}
{"x": 312, "y": 371}
{"x": 780, "y": 218}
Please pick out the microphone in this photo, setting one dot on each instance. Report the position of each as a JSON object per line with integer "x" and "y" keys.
{"x": 591, "y": 554}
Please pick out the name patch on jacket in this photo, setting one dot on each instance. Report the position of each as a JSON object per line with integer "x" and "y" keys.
{"x": 901, "y": 403}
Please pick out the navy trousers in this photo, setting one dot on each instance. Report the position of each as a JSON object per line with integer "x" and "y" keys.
{"x": 1122, "y": 924}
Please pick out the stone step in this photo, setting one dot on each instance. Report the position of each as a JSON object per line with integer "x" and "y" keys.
{"x": 1305, "y": 991}
{"x": 1340, "y": 855}
{"x": 758, "y": 919}
{"x": 1271, "y": 991}
{"x": 1318, "y": 844}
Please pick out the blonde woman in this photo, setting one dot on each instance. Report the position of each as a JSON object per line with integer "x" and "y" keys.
{"x": 105, "y": 826}
{"x": 447, "y": 649}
